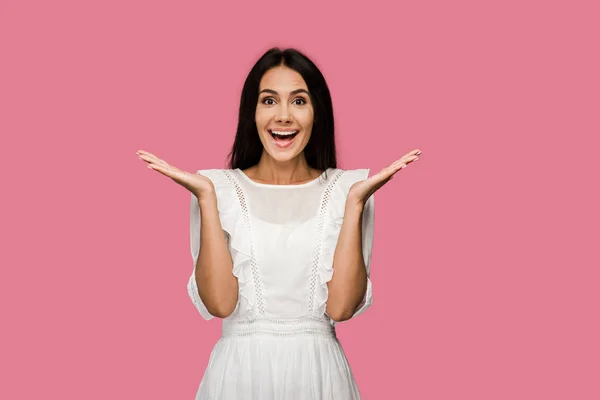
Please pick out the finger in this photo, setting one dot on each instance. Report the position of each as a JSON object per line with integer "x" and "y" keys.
{"x": 405, "y": 160}
{"x": 152, "y": 158}
{"x": 165, "y": 170}
{"x": 388, "y": 173}
{"x": 146, "y": 153}
{"x": 397, "y": 166}
{"x": 147, "y": 158}
{"x": 412, "y": 153}
{"x": 385, "y": 174}
{"x": 174, "y": 173}
{"x": 403, "y": 164}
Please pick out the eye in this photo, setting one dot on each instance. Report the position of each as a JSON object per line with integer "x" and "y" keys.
{"x": 301, "y": 99}
{"x": 266, "y": 99}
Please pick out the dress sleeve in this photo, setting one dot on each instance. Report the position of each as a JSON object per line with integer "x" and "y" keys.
{"x": 195, "y": 249}
{"x": 332, "y": 230}
{"x": 367, "y": 242}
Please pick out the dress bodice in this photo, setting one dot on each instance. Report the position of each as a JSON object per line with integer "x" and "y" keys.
{"x": 282, "y": 240}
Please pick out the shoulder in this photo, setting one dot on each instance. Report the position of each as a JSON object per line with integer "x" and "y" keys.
{"x": 350, "y": 177}
{"x": 217, "y": 175}
{"x": 341, "y": 180}
{"x": 345, "y": 178}
{"x": 355, "y": 174}
{"x": 212, "y": 171}
{"x": 224, "y": 188}
{"x": 222, "y": 181}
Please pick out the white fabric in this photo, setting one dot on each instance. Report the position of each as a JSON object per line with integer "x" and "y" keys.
{"x": 279, "y": 343}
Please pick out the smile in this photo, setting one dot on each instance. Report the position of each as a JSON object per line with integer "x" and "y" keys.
{"x": 283, "y": 139}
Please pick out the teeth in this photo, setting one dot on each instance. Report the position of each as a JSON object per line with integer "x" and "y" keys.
{"x": 284, "y": 133}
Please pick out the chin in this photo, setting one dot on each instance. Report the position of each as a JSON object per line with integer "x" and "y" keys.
{"x": 282, "y": 156}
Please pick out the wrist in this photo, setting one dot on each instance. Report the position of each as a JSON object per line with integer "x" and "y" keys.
{"x": 207, "y": 200}
{"x": 354, "y": 206}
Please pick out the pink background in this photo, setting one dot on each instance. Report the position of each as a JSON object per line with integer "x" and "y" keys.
{"x": 484, "y": 271}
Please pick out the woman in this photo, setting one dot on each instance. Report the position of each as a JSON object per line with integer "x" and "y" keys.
{"x": 283, "y": 251}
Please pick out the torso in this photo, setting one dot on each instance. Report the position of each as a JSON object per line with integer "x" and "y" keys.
{"x": 251, "y": 173}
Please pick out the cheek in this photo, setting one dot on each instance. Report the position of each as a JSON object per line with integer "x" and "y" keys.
{"x": 260, "y": 120}
{"x": 306, "y": 118}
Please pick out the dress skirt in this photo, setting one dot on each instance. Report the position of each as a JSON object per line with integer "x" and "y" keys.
{"x": 271, "y": 359}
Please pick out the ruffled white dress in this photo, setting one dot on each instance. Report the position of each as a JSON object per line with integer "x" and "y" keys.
{"x": 279, "y": 343}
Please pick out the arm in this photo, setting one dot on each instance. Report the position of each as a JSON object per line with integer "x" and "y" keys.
{"x": 348, "y": 285}
{"x": 217, "y": 286}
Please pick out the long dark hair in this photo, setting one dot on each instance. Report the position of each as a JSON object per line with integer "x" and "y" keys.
{"x": 320, "y": 150}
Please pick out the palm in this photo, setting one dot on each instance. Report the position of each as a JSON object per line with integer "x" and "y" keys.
{"x": 195, "y": 183}
{"x": 362, "y": 190}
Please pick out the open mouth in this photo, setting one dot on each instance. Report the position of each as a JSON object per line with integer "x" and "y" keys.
{"x": 283, "y": 135}
{"x": 283, "y": 138}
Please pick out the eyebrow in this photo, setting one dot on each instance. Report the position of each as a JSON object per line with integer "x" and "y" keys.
{"x": 293, "y": 92}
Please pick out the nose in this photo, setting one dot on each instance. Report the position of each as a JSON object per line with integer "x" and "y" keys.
{"x": 283, "y": 115}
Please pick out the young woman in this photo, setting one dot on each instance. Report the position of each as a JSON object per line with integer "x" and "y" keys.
{"x": 281, "y": 241}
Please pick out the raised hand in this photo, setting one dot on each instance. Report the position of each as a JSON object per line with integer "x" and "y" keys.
{"x": 362, "y": 190}
{"x": 198, "y": 184}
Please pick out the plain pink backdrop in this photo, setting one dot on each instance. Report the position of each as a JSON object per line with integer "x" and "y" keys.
{"x": 484, "y": 271}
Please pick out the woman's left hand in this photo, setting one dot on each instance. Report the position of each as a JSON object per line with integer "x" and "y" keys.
{"x": 362, "y": 190}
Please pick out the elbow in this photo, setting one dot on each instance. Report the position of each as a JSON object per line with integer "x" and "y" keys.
{"x": 221, "y": 306}
{"x": 344, "y": 308}
{"x": 340, "y": 315}
{"x": 220, "y": 313}
{"x": 221, "y": 310}
{"x": 220, "y": 301}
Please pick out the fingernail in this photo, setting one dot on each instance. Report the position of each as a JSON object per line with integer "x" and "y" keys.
{"x": 419, "y": 152}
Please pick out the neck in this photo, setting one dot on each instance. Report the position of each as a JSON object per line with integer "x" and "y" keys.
{"x": 268, "y": 170}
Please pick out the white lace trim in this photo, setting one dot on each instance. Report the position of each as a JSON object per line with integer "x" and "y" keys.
{"x": 245, "y": 215}
{"x": 319, "y": 240}
{"x": 304, "y": 326}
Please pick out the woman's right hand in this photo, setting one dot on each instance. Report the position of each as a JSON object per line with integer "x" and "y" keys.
{"x": 199, "y": 185}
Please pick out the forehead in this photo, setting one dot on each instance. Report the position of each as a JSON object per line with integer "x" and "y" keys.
{"x": 282, "y": 79}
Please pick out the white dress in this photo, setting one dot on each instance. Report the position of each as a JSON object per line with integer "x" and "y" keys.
{"x": 279, "y": 343}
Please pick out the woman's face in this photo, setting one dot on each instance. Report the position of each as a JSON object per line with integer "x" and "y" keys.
{"x": 284, "y": 107}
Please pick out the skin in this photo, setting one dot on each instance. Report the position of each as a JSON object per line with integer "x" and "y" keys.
{"x": 348, "y": 285}
{"x": 284, "y": 103}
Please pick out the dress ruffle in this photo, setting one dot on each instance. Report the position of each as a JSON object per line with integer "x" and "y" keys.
{"x": 233, "y": 222}
{"x": 266, "y": 351}
{"x": 334, "y": 218}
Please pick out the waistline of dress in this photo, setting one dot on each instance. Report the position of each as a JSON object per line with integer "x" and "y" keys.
{"x": 305, "y": 326}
